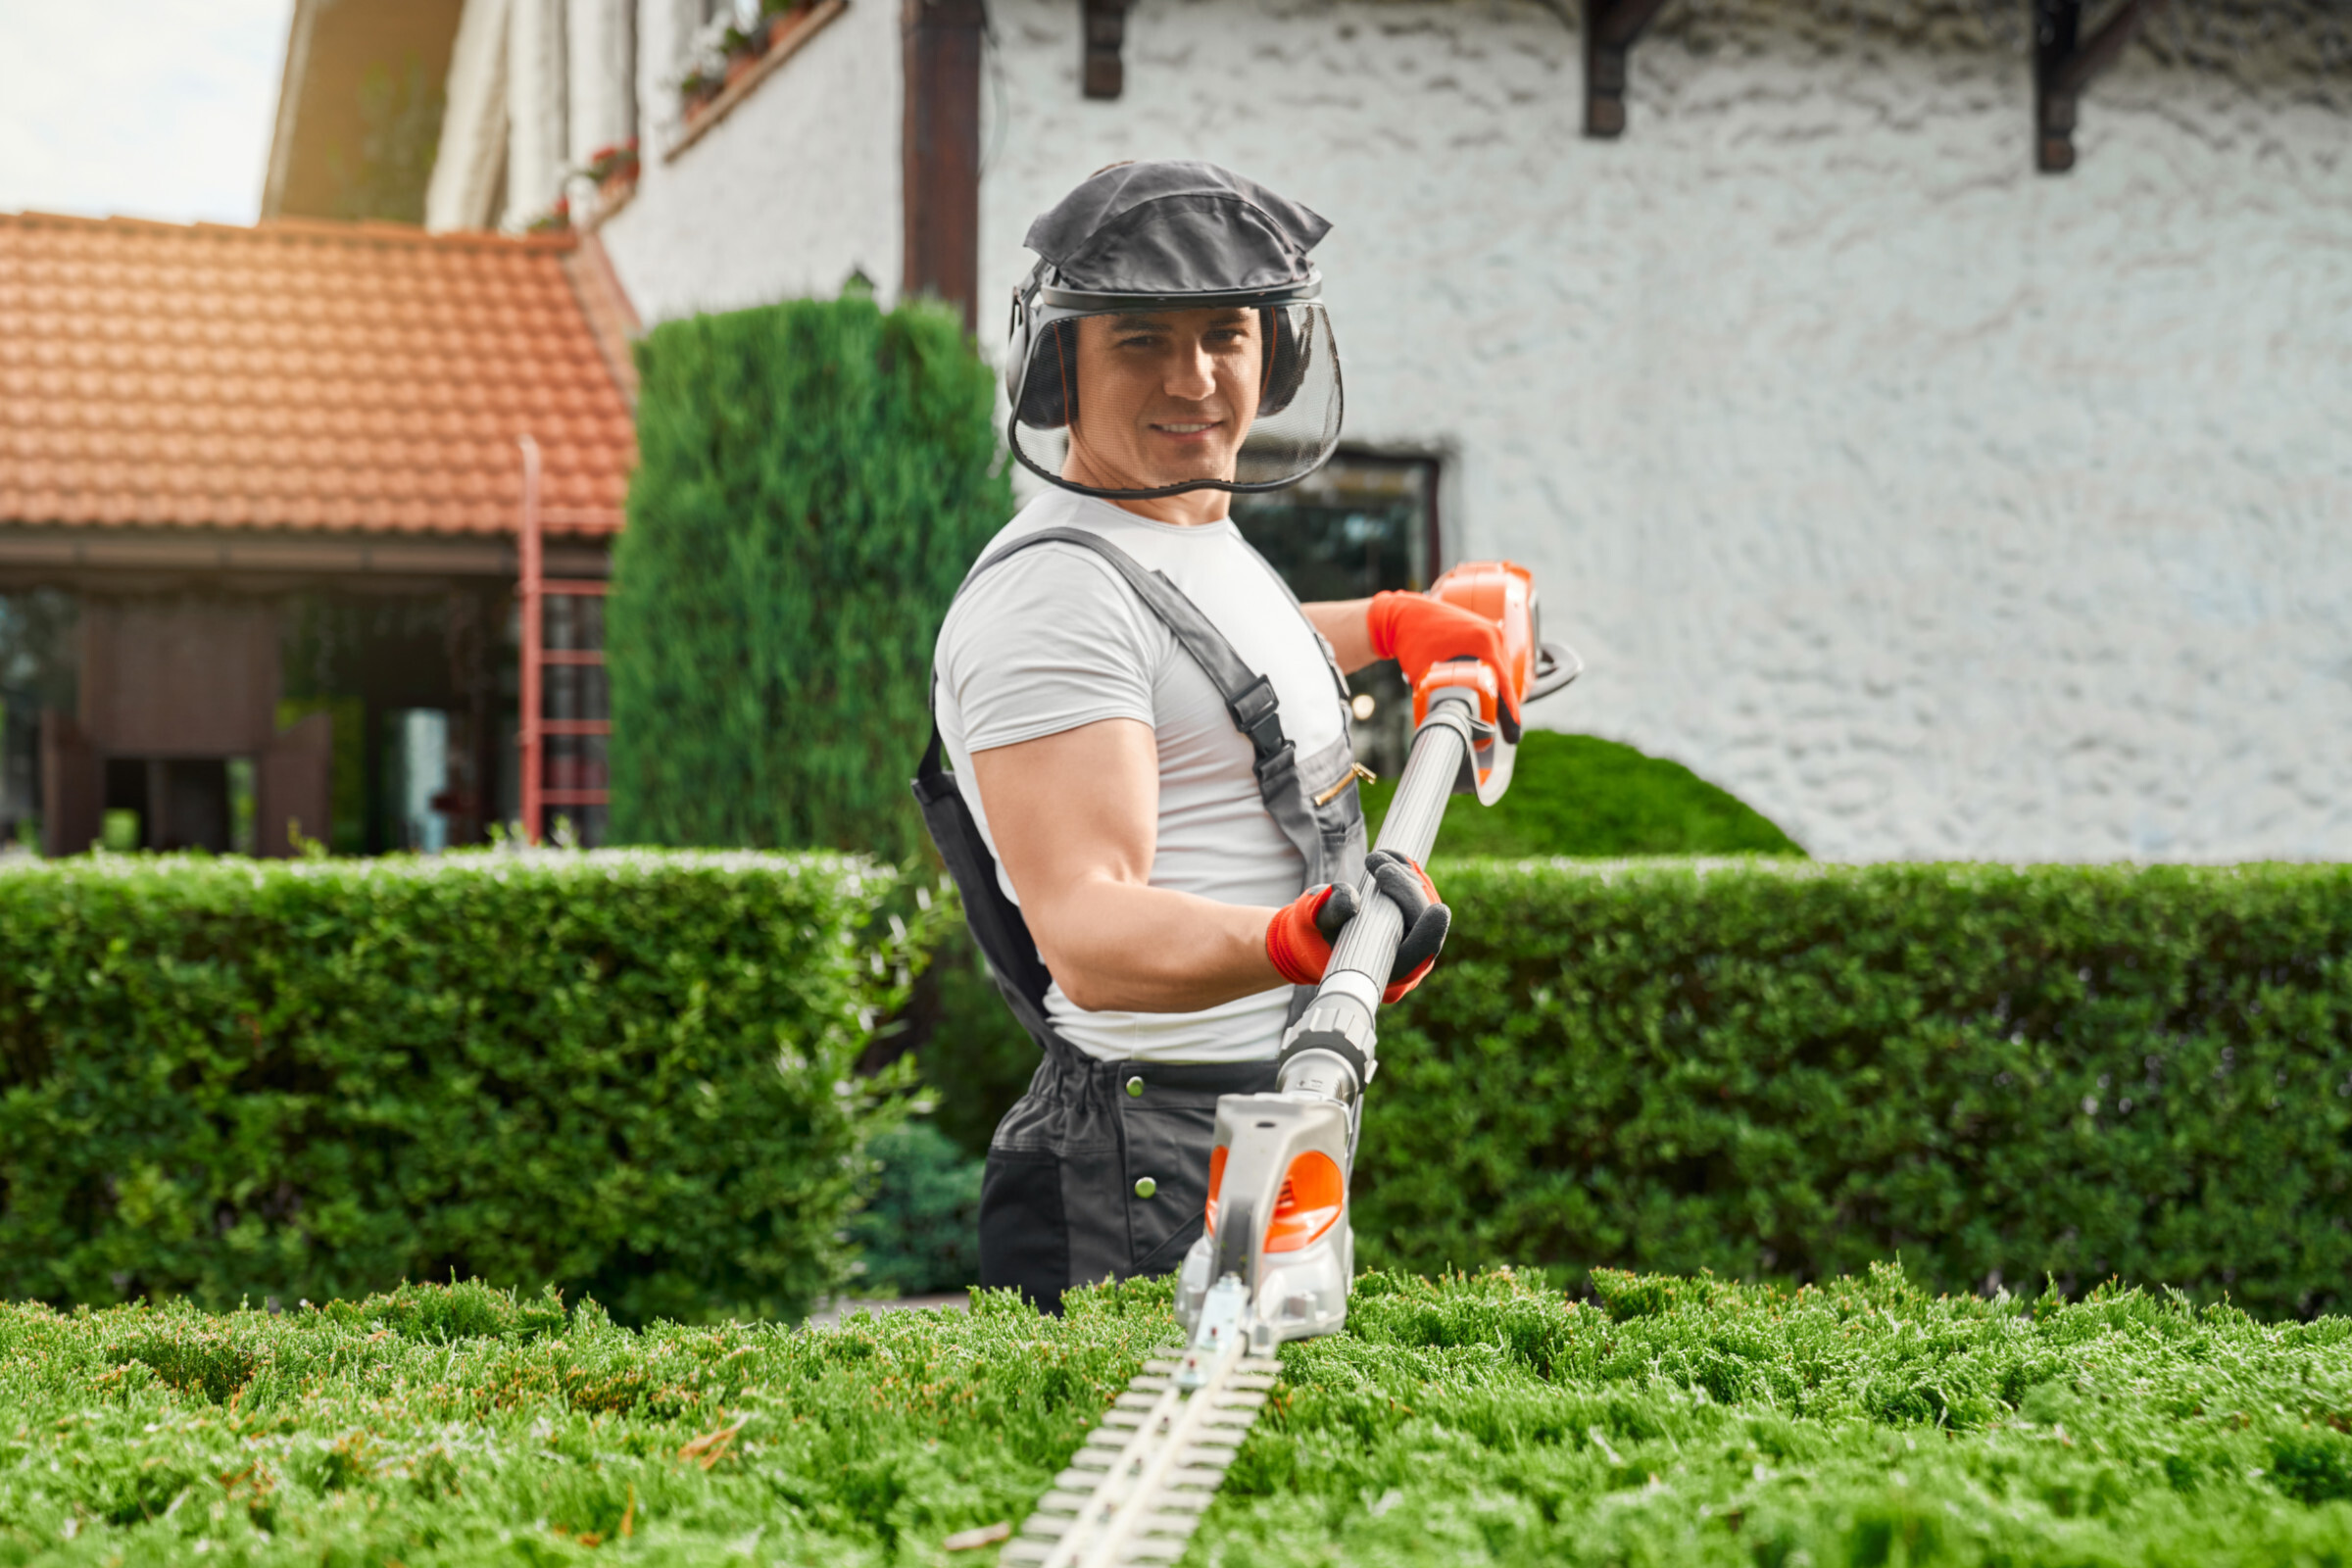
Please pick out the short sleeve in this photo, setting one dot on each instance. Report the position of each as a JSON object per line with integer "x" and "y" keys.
{"x": 1045, "y": 642}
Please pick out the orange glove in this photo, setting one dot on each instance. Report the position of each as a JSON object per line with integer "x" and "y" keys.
{"x": 1298, "y": 937}
{"x": 1418, "y": 631}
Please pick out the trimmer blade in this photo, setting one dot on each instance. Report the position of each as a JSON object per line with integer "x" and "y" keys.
{"x": 1139, "y": 1483}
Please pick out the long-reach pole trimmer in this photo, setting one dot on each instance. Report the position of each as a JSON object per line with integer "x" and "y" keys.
{"x": 1278, "y": 1253}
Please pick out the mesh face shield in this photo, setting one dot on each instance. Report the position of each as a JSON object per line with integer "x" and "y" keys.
{"x": 1154, "y": 398}
{"x": 1172, "y": 337}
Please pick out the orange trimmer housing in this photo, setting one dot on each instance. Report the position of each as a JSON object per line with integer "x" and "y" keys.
{"x": 1504, "y": 593}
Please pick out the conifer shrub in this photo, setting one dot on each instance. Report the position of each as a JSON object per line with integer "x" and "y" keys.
{"x": 813, "y": 480}
{"x": 1481, "y": 1420}
{"x": 919, "y": 1231}
{"x": 626, "y": 1073}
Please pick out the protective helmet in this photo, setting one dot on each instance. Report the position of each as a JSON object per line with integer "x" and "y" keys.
{"x": 1137, "y": 242}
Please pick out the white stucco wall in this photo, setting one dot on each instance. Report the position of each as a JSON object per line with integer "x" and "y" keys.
{"x": 600, "y": 40}
{"x": 1936, "y": 508}
{"x": 793, "y": 190}
{"x": 538, "y": 114}
{"x": 472, "y": 150}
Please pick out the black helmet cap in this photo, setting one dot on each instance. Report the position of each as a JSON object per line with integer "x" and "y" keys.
{"x": 1176, "y": 230}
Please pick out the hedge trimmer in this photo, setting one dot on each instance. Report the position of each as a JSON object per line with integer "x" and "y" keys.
{"x": 1276, "y": 1256}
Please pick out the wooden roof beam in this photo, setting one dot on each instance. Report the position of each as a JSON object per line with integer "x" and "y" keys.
{"x": 1610, "y": 29}
{"x": 1102, "y": 74}
{"x": 2064, "y": 64}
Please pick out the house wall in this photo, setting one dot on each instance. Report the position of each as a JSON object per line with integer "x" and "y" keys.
{"x": 1936, "y": 508}
{"x": 538, "y": 110}
{"x": 470, "y": 162}
{"x": 793, "y": 190}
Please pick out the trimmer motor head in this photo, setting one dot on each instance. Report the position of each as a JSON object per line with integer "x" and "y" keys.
{"x": 1277, "y": 1217}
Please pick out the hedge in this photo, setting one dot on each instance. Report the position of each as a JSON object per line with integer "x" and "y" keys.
{"x": 1461, "y": 1421}
{"x": 621, "y": 1072}
{"x": 813, "y": 480}
{"x": 1782, "y": 1071}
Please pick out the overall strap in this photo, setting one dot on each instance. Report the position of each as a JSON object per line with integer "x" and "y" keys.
{"x": 993, "y": 919}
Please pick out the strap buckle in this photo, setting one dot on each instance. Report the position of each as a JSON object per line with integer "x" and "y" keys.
{"x": 1256, "y": 709}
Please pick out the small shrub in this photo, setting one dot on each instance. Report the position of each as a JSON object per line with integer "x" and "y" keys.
{"x": 920, "y": 1231}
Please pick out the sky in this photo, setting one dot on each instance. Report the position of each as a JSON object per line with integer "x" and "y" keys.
{"x": 144, "y": 108}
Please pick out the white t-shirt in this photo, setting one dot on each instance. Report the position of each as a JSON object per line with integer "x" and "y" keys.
{"x": 1054, "y": 638}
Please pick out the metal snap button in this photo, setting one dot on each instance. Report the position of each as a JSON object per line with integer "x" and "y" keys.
{"x": 1145, "y": 1186}
{"x": 1135, "y": 1087}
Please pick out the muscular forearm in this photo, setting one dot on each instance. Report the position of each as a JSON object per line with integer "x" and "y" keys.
{"x": 1123, "y": 947}
{"x": 1344, "y": 624}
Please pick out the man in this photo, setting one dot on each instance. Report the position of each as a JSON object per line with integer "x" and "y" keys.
{"x": 1153, "y": 812}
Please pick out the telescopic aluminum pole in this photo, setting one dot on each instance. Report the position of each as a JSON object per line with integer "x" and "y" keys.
{"x": 1329, "y": 1051}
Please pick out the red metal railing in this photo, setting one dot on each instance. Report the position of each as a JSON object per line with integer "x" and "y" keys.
{"x": 569, "y": 779}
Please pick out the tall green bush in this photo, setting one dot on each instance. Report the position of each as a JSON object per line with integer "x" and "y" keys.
{"x": 1771, "y": 1070}
{"x": 813, "y": 480}
{"x": 625, "y": 1074}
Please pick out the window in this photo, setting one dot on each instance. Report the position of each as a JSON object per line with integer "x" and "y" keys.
{"x": 1361, "y": 524}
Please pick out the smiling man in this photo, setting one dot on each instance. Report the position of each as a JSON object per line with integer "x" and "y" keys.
{"x": 1153, "y": 812}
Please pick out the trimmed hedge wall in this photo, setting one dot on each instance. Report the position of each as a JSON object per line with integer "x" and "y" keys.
{"x": 623, "y": 1073}
{"x": 1789, "y": 1071}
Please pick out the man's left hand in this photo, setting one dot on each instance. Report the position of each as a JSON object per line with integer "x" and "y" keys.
{"x": 1418, "y": 631}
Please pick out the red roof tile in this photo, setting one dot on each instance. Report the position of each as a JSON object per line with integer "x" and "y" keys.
{"x": 301, "y": 374}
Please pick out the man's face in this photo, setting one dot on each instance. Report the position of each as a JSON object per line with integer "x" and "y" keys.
{"x": 1165, "y": 397}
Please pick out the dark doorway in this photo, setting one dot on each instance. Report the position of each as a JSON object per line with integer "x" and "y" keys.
{"x": 416, "y": 686}
{"x": 180, "y": 802}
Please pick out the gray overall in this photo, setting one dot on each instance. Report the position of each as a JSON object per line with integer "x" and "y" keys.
{"x": 1101, "y": 1170}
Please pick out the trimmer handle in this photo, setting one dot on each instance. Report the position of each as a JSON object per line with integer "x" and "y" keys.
{"x": 1329, "y": 1049}
{"x": 1556, "y": 665}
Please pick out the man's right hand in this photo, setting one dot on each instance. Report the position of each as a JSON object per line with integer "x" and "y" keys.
{"x": 1298, "y": 937}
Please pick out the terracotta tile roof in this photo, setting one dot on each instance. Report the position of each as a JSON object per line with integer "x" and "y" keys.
{"x": 301, "y": 374}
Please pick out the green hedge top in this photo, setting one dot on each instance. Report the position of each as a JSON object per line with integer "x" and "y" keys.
{"x": 1779, "y": 1069}
{"x": 622, "y": 1071}
{"x": 1672, "y": 1421}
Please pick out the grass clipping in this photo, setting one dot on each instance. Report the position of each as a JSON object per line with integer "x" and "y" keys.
{"x": 1478, "y": 1420}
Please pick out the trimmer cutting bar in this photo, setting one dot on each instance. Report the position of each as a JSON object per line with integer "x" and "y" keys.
{"x": 1136, "y": 1488}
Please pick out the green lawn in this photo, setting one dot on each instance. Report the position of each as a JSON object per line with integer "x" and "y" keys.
{"x": 1580, "y": 795}
{"x": 1479, "y": 1420}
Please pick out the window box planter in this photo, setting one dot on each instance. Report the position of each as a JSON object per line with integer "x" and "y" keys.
{"x": 707, "y": 99}
{"x": 614, "y": 169}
